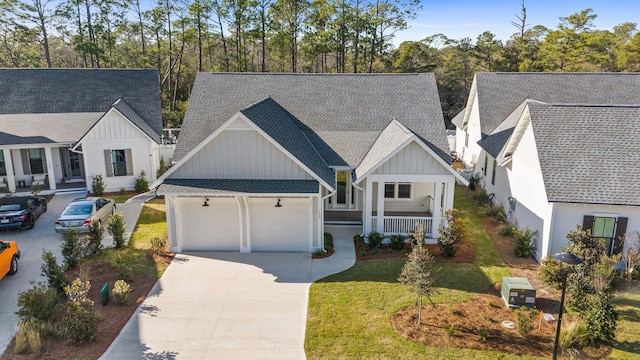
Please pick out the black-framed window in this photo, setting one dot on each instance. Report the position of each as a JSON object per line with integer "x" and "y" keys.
{"x": 493, "y": 174}
{"x": 3, "y": 167}
{"x": 389, "y": 190}
{"x": 397, "y": 190}
{"x": 35, "y": 161}
{"x": 486, "y": 163}
{"x": 119, "y": 161}
{"x": 610, "y": 228}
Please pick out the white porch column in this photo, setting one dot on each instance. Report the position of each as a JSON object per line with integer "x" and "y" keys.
{"x": 8, "y": 164}
{"x": 380, "y": 208}
{"x": 450, "y": 188}
{"x": 368, "y": 205}
{"x": 52, "y": 175}
{"x": 437, "y": 210}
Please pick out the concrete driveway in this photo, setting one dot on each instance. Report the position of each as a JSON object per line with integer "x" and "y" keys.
{"x": 230, "y": 306}
{"x": 32, "y": 243}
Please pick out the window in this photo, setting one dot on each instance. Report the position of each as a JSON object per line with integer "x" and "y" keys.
{"x": 611, "y": 229}
{"x": 486, "y": 163}
{"x": 3, "y": 167}
{"x": 35, "y": 161}
{"x": 397, "y": 190}
{"x": 118, "y": 162}
{"x": 493, "y": 174}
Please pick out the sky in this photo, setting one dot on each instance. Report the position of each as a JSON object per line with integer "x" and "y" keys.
{"x": 458, "y": 19}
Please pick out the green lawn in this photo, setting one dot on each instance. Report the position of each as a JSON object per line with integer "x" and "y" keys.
{"x": 627, "y": 345}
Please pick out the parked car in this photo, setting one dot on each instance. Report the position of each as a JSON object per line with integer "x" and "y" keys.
{"x": 21, "y": 212}
{"x": 9, "y": 255}
{"x": 81, "y": 212}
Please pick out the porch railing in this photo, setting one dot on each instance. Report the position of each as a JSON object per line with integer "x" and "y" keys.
{"x": 402, "y": 224}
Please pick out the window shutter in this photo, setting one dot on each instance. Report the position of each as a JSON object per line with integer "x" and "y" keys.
{"x": 26, "y": 166}
{"x": 44, "y": 161}
{"x": 129, "y": 159}
{"x": 587, "y": 223}
{"x": 618, "y": 240}
{"x": 108, "y": 163}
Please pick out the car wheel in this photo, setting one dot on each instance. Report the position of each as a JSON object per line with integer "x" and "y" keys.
{"x": 32, "y": 223}
{"x": 44, "y": 209}
{"x": 14, "y": 265}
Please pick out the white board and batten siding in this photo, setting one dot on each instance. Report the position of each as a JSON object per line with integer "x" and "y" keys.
{"x": 421, "y": 198}
{"x": 115, "y": 132}
{"x": 240, "y": 154}
{"x": 412, "y": 160}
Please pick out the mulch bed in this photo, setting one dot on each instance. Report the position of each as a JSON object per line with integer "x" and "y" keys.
{"x": 464, "y": 254}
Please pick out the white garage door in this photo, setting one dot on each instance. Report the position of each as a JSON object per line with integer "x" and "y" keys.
{"x": 285, "y": 228}
{"x": 213, "y": 227}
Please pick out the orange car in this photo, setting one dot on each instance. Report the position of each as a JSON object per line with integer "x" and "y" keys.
{"x": 9, "y": 255}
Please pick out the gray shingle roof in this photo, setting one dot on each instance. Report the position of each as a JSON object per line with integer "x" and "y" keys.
{"x": 138, "y": 121}
{"x": 45, "y": 128}
{"x": 393, "y": 136}
{"x": 287, "y": 131}
{"x": 588, "y": 153}
{"x": 52, "y": 91}
{"x": 212, "y": 186}
{"x": 345, "y": 111}
{"x": 500, "y": 93}
{"x": 494, "y": 142}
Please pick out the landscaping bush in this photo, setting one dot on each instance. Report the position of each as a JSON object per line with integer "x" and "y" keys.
{"x": 450, "y": 234}
{"x": 375, "y": 239}
{"x": 474, "y": 180}
{"x": 358, "y": 239}
{"x": 96, "y": 232}
{"x": 397, "y": 242}
{"x": 116, "y": 228}
{"x": 28, "y": 337}
{"x": 522, "y": 246}
{"x": 39, "y": 303}
{"x": 70, "y": 249}
{"x": 121, "y": 292}
{"x": 97, "y": 185}
{"x": 601, "y": 320}
{"x": 141, "y": 184}
{"x": 525, "y": 319}
{"x": 507, "y": 230}
{"x": 550, "y": 272}
{"x": 158, "y": 244}
{"x": 496, "y": 211}
{"x": 123, "y": 269}
{"x": 80, "y": 322}
{"x": 162, "y": 168}
{"x": 53, "y": 272}
{"x": 573, "y": 335}
{"x": 418, "y": 235}
{"x": 328, "y": 242}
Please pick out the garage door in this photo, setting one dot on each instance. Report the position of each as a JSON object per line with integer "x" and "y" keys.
{"x": 285, "y": 228}
{"x": 213, "y": 227}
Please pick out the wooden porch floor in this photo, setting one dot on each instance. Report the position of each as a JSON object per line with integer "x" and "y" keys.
{"x": 352, "y": 216}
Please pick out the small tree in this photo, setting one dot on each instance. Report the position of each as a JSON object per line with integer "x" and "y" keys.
{"x": 140, "y": 183}
{"x": 419, "y": 274}
{"x": 450, "y": 234}
{"x": 522, "y": 246}
{"x": 418, "y": 234}
{"x": 162, "y": 168}
{"x": 35, "y": 188}
{"x": 632, "y": 259}
{"x": 97, "y": 185}
{"x": 80, "y": 322}
{"x": 96, "y": 232}
{"x": 116, "y": 228}
{"x": 53, "y": 272}
{"x": 70, "y": 248}
{"x": 39, "y": 303}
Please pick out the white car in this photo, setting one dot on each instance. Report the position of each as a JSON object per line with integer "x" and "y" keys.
{"x": 81, "y": 212}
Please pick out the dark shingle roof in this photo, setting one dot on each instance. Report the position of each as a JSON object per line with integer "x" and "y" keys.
{"x": 211, "y": 186}
{"x": 345, "y": 111}
{"x": 588, "y": 153}
{"x": 500, "y": 93}
{"x": 52, "y": 91}
{"x": 138, "y": 121}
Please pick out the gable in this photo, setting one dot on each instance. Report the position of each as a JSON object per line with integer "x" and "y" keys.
{"x": 240, "y": 152}
{"x": 114, "y": 125}
{"x": 412, "y": 160}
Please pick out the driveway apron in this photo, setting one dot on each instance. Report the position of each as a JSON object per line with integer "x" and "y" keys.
{"x": 229, "y": 306}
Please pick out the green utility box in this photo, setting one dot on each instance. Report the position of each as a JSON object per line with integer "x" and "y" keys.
{"x": 517, "y": 292}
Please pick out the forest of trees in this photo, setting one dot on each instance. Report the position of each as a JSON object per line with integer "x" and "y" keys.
{"x": 182, "y": 37}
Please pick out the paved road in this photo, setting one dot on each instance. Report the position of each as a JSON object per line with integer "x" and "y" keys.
{"x": 32, "y": 243}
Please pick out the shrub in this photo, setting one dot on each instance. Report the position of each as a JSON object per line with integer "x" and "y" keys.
{"x": 550, "y": 272}
{"x": 34, "y": 338}
{"x": 573, "y": 334}
{"x": 162, "y": 168}
{"x": 450, "y": 330}
{"x": 358, "y": 239}
{"x": 496, "y": 211}
{"x": 121, "y": 292}
{"x": 80, "y": 322}
{"x": 397, "y": 242}
{"x": 375, "y": 239}
{"x": 97, "y": 185}
{"x": 123, "y": 269}
{"x": 39, "y": 303}
{"x": 522, "y": 246}
{"x": 328, "y": 242}
{"x": 418, "y": 235}
{"x": 474, "y": 180}
{"x": 141, "y": 184}
{"x": 116, "y": 228}
{"x": 601, "y": 320}
{"x": 525, "y": 318}
{"x": 70, "y": 249}
{"x": 158, "y": 244}
{"x": 507, "y": 230}
{"x": 35, "y": 188}
{"x": 53, "y": 272}
{"x": 450, "y": 234}
{"x": 96, "y": 232}
{"x": 22, "y": 340}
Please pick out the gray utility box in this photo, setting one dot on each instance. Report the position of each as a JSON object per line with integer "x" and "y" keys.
{"x": 517, "y": 292}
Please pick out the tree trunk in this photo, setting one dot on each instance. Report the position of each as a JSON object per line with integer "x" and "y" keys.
{"x": 43, "y": 28}
{"x": 141, "y": 24}
{"x": 92, "y": 38}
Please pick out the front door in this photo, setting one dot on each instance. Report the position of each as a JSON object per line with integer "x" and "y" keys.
{"x": 72, "y": 167}
{"x": 344, "y": 198}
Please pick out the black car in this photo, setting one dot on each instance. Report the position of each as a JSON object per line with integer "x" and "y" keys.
{"x": 21, "y": 212}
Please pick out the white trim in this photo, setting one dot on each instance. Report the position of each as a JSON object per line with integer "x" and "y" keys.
{"x": 380, "y": 208}
{"x": 121, "y": 115}
{"x": 234, "y": 194}
{"x": 310, "y": 244}
{"x": 217, "y": 132}
{"x": 410, "y": 178}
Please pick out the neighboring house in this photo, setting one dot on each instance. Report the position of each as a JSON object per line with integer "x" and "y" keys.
{"x": 62, "y": 127}
{"x": 265, "y": 160}
{"x": 557, "y": 150}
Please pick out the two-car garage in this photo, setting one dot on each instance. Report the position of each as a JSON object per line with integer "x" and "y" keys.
{"x": 243, "y": 223}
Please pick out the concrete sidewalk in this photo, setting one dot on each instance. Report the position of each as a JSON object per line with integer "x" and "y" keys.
{"x": 230, "y": 305}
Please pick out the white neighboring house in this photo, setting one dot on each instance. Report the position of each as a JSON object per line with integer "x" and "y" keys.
{"x": 61, "y": 127}
{"x": 266, "y": 160}
{"x": 557, "y": 150}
